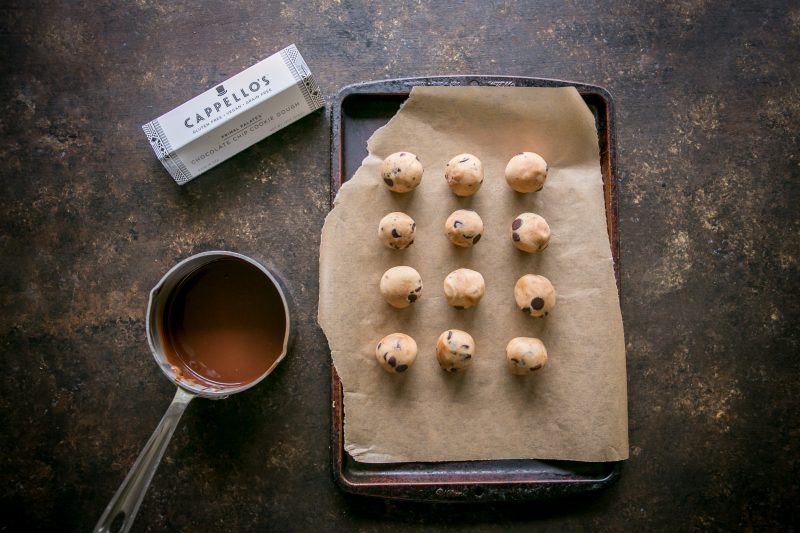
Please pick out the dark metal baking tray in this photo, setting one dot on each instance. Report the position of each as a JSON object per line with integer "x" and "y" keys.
{"x": 357, "y": 111}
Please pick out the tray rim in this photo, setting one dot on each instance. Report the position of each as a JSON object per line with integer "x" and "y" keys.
{"x": 476, "y": 486}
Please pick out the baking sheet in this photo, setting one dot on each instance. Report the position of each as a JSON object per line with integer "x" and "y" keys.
{"x": 575, "y": 407}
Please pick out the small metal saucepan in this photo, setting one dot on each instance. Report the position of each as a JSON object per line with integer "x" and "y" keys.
{"x": 121, "y": 510}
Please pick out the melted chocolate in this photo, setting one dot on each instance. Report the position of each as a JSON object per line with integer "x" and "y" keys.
{"x": 225, "y": 324}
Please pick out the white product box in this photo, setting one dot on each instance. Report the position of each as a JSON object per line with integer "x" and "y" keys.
{"x": 237, "y": 113}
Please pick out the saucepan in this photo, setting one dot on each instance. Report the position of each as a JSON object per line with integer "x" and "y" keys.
{"x": 218, "y": 323}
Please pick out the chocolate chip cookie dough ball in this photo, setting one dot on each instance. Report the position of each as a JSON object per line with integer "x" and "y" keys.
{"x": 464, "y": 288}
{"x": 464, "y": 228}
{"x": 454, "y": 350}
{"x": 401, "y": 171}
{"x": 396, "y": 352}
{"x": 525, "y": 354}
{"x": 530, "y": 233}
{"x": 464, "y": 174}
{"x": 535, "y": 295}
{"x": 526, "y": 172}
{"x": 397, "y": 231}
{"x": 401, "y": 286}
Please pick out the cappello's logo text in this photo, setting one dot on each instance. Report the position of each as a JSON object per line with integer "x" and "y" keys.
{"x": 225, "y": 101}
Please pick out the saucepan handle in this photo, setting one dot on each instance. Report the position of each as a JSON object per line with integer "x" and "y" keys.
{"x": 121, "y": 510}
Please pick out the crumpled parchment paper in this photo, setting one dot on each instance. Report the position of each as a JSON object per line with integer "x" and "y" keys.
{"x": 575, "y": 408}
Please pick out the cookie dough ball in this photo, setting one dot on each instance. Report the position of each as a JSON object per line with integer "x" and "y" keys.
{"x": 535, "y": 295}
{"x": 530, "y": 233}
{"x": 396, "y": 352}
{"x": 464, "y": 174}
{"x": 401, "y": 286}
{"x": 464, "y": 228}
{"x": 401, "y": 171}
{"x": 464, "y": 288}
{"x": 526, "y": 172}
{"x": 454, "y": 350}
{"x": 397, "y": 231}
{"x": 525, "y": 354}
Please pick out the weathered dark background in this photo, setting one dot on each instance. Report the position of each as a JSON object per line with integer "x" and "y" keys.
{"x": 708, "y": 123}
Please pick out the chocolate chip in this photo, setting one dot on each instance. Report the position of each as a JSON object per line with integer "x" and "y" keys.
{"x": 516, "y": 224}
{"x": 457, "y": 224}
{"x": 401, "y": 368}
{"x": 417, "y": 157}
{"x": 412, "y": 297}
{"x": 379, "y": 345}
{"x": 465, "y": 356}
{"x": 449, "y": 335}
{"x": 388, "y": 182}
{"x": 392, "y": 361}
{"x": 465, "y": 346}
{"x": 539, "y": 189}
{"x": 546, "y": 168}
{"x": 395, "y": 234}
{"x": 453, "y": 369}
{"x": 397, "y": 344}
{"x": 476, "y": 239}
{"x": 464, "y": 160}
{"x": 515, "y": 236}
{"x": 467, "y": 235}
{"x": 413, "y": 226}
{"x": 402, "y": 154}
{"x": 385, "y": 356}
{"x": 537, "y": 303}
{"x": 412, "y": 242}
{"x": 418, "y": 289}
{"x": 515, "y": 361}
{"x": 459, "y": 307}
{"x": 537, "y": 367}
{"x": 526, "y": 310}
{"x": 546, "y": 313}
{"x": 520, "y": 153}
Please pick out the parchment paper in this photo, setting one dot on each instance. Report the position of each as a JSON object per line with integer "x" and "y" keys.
{"x": 575, "y": 408}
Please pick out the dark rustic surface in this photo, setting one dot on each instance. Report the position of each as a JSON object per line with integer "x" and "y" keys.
{"x": 709, "y": 118}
